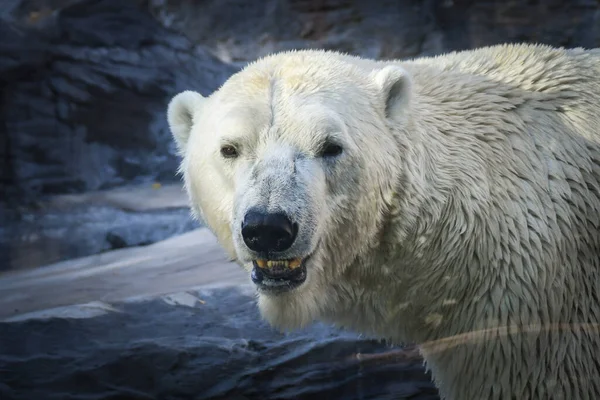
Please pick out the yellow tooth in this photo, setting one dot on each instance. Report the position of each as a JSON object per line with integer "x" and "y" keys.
{"x": 292, "y": 264}
{"x": 277, "y": 263}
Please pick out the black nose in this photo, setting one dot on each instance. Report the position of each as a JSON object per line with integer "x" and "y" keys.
{"x": 267, "y": 233}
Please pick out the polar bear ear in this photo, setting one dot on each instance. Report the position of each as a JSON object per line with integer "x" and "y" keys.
{"x": 180, "y": 115}
{"x": 395, "y": 85}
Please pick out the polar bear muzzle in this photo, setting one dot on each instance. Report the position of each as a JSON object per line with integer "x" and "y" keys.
{"x": 267, "y": 234}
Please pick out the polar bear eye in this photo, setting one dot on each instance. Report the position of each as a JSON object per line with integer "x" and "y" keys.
{"x": 331, "y": 150}
{"x": 229, "y": 151}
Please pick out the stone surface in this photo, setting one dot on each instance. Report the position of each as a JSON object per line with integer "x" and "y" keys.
{"x": 76, "y": 225}
{"x": 199, "y": 344}
{"x": 241, "y": 30}
{"x": 178, "y": 263}
{"x": 84, "y": 89}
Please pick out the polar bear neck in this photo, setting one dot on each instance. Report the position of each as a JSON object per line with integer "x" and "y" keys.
{"x": 494, "y": 226}
{"x": 445, "y": 204}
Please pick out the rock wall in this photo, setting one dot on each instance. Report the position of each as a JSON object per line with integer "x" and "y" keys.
{"x": 84, "y": 87}
{"x": 240, "y": 30}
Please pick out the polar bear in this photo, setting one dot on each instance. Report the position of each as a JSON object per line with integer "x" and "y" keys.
{"x": 449, "y": 201}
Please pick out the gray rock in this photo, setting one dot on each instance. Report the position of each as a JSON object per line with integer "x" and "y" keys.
{"x": 241, "y": 30}
{"x": 40, "y": 237}
{"x": 70, "y": 226}
{"x": 207, "y": 344}
{"x": 85, "y": 84}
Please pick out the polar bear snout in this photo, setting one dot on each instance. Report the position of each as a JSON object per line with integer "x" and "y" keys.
{"x": 270, "y": 240}
{"x": 267, "y": 233}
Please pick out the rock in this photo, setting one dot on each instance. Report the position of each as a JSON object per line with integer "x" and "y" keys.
{"x": 46, "y": 238}
{"x": 172, "y": 265}
{"x": 241, "y": 30}
{"x": 201, "y": 344}
{"x": 71, "y": 226}
{"x": 85, "y": 85}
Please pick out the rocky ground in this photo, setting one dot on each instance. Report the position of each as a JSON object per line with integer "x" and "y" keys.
{"x": 184, "y": 346}
{"x": 176, "y": 320}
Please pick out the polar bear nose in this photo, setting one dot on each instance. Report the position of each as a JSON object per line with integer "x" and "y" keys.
{"x": 267, "y": 233}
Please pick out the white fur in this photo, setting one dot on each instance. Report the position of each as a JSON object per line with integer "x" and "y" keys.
{"x": 463, "y": 214}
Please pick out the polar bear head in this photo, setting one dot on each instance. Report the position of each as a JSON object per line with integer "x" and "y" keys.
{"x": 292, "y": 164}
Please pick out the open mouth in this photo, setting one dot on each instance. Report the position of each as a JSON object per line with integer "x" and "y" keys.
{"x": 279, "y": 275}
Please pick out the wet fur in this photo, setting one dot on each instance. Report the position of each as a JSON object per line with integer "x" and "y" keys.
{"x": 464, "y": 215}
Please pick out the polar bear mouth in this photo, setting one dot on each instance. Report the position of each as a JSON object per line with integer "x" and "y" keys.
{"x": 279, "y": 275}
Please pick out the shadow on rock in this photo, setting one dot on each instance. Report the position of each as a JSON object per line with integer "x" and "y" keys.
{"x": 215, "y": 348}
